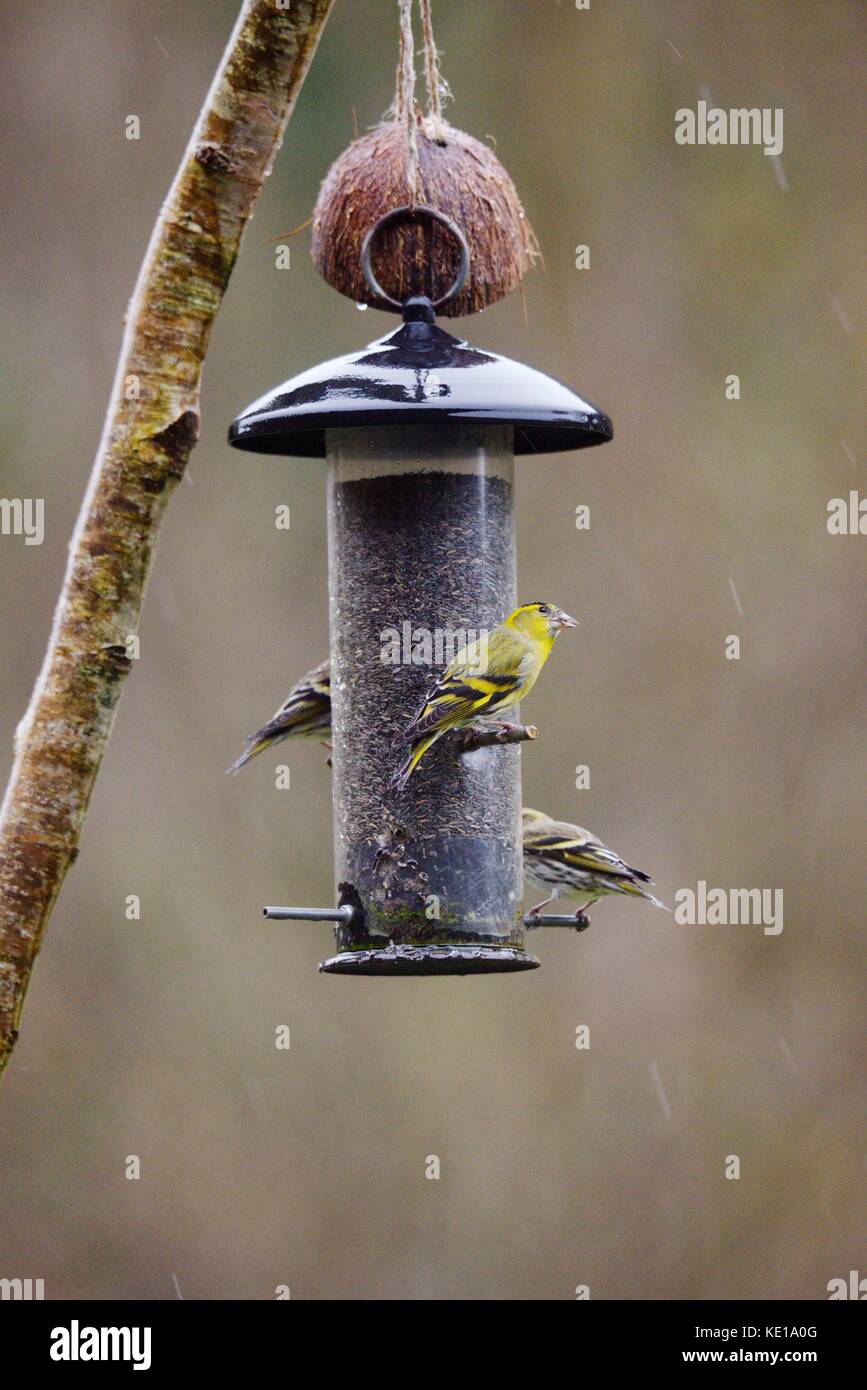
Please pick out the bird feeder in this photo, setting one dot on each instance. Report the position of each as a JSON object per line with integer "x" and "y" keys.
{"x": 420, "y": 431}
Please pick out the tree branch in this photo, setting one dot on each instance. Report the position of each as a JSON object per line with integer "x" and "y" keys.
{"x": 480, "y": 737}
{"x": 151, "y": 425}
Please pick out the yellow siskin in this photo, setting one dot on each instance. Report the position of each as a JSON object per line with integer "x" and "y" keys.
{"x": 305, "y": 713}
{"x": 570, "y": 862}
{"x": 486, "y": 678}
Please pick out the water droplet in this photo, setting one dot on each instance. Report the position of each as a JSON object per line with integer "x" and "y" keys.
{"x": 362, "y": 307}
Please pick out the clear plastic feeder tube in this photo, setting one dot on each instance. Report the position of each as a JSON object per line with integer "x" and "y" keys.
{"x": 421, "y": 550}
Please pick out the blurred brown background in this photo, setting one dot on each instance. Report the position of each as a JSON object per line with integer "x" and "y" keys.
{"x": 156, "y": 1038}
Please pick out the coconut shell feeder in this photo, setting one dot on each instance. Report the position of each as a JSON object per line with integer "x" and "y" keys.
{"x": 457, "y": 175}
{"x": 420, "y": 431}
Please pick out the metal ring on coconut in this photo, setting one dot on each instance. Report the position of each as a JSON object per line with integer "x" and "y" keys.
{"x": 395, "y": 215}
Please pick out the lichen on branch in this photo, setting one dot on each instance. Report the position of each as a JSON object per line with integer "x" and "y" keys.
{"x": 151, "y": 426}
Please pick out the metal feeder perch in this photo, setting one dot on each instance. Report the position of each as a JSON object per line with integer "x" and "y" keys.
{"x": 420, "y": 431}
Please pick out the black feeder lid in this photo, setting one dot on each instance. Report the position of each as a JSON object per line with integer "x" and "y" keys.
{"x": 419, "y": 373}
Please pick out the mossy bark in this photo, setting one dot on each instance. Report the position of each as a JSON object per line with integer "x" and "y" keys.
{"x": 151, "y": 426}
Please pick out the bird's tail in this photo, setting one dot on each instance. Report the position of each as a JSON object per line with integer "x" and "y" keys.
{"x": 638, "y": 890}
{"x": 254, "y": 746}
{"x": 414, "y": 755}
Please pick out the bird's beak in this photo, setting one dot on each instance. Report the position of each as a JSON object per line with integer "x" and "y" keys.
{"x": 563, "y": 620}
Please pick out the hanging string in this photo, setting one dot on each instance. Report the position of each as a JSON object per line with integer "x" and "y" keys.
{"x": 404, "y": 106}
{"x": 436, "y": 85}
{"x": 404, "y": 100}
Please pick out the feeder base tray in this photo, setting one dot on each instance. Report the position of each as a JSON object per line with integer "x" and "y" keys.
{"x": 430, "y": 960}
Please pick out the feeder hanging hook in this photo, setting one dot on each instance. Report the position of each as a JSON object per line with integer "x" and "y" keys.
{"x": 412, "y": 214}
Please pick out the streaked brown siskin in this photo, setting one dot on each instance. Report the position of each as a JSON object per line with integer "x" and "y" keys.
{"x": 305, "y": 713}
{"x": 569, "y": 861}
